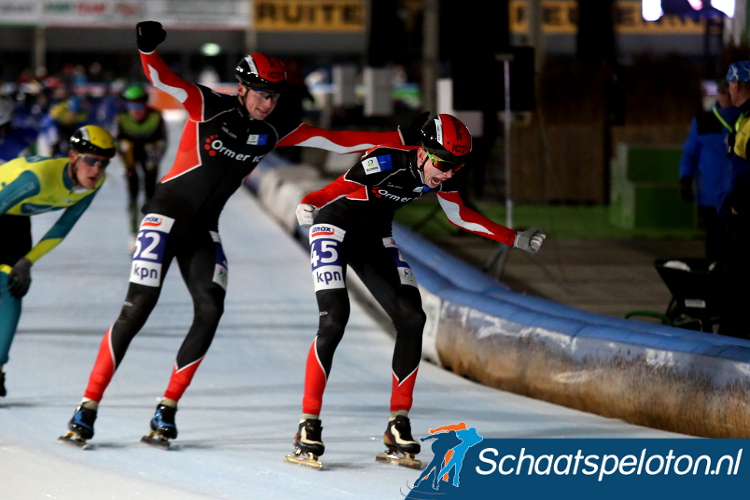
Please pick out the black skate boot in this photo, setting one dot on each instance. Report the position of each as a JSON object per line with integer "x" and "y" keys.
{"x": 163, "y": 427}
{"x": 401, "y": 446}
{"x": 308, "y": 444}
{"x": 3, "y": 392}
{"x": 80, "y": 427}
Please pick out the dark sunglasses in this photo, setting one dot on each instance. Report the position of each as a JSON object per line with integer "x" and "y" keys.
{"x": 94, "y": 162}
{"x": 443, "y": 165}
{"x": 265, "y": 94}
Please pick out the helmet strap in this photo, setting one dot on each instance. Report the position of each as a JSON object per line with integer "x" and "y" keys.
{"x": 420, "y": 169}
{"x": 243, "y": 98}
{"x": 74, "y": 171}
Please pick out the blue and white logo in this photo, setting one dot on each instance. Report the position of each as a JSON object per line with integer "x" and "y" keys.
{"x": 377, "y": 164}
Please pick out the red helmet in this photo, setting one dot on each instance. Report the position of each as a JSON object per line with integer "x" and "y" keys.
{"x": 260, "y": 71}
{"x": 447, "y": 138}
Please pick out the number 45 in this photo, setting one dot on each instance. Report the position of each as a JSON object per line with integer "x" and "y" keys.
{"x": 326, "y": 247}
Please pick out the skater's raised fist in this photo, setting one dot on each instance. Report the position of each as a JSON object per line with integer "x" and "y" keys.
{"x": 149, "y": 34}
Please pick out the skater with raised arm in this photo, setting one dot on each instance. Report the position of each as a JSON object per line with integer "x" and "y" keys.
{"x": 351, "y": 225}
{"x": 225, "y": 137}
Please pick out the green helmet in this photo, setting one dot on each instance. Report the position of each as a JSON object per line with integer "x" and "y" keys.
{"x": 135, "y": 93}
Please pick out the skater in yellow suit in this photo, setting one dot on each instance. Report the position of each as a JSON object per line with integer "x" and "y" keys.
{"x": 33, "y": 185}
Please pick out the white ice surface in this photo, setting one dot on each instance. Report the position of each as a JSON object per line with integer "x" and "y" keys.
{"x": 238, "y": 418}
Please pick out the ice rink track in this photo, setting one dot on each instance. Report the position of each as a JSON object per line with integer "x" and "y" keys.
{"x": 238, "y": 418}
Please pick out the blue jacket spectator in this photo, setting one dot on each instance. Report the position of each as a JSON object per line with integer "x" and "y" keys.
{"x": 704, "y": 154}
{"x": 705, "y": 164}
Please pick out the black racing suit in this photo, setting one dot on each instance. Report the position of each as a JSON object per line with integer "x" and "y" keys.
{"x": 353, "y": 228}
{"x": 220, "y": 145}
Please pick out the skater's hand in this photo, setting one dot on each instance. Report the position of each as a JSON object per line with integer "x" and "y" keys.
{"x": 412, "y": 135}
{"x": 530, "y": 240}
{"x": 306, "y": 214}
{"x": 19, "y": 278}
{"x": 149, "y": 34}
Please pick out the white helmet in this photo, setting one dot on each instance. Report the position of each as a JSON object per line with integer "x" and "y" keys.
{"x": 6, "y": 110}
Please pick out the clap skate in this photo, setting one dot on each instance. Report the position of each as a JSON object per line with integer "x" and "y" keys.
{"x": 80, "y": 428}
{"x": 163, "y": 427}
{"x": 400, "y": 446}
{"x": 308, "y": 444}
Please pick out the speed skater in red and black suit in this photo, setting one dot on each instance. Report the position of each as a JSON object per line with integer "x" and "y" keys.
{"x": 224, "y": 139}
{"x": 350, "y": 223}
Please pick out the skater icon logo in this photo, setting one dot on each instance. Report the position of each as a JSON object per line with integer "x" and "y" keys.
{"x": 450, "y": 444}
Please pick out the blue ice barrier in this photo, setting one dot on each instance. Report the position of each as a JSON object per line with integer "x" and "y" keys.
{"x": 452, "y": 279}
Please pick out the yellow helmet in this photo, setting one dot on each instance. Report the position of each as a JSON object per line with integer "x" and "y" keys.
{"x": 93, "y": 139}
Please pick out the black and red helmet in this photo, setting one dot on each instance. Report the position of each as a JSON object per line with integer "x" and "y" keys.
{"x": 260, "y": 71}
{"x": 447, "y": 137}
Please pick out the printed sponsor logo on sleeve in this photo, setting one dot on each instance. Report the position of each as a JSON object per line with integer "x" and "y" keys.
{"x": 377, "y": 164}
{"x": 257, "y": 139}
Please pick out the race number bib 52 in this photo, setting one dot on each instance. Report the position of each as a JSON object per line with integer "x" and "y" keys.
{"x": 149, "y": 250}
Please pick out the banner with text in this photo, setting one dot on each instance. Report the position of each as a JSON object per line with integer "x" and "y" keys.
{"x": 232, "y": 14}
{"x": 467, "y": 465}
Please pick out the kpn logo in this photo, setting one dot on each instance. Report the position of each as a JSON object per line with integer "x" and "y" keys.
{"x": 450, "y": 444}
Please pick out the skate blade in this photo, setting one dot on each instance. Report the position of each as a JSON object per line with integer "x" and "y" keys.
{"x": 405, "y": 460}
{"x": 73, "y": 439}
{"x": 308, "y": 460}
{"x": 155, "y": 440}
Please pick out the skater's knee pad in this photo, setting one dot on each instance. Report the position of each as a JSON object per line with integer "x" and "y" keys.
{"x": 209, "y": 304}
{"x": 138, "y": 305}
{"x": 333, "y": 306}
{"x": 331, "y": 325}
{"x": 410, "y": 316}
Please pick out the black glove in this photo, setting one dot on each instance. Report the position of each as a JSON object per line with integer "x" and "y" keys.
{"x": 149, "y": 34}
{"x": 412, "y": 135}
{"x": 686, "y": 189}
{"x": 19, "y": 278}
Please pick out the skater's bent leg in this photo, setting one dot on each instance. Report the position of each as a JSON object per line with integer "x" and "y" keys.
{"x": 334, "y": 310}
{"x": 387, "y": 276}
{"x": 139, "y": 303}
{"x": 17, "y": 241}
{"x": 150, "y": 181}
{"x": 407, "y": 352}
{"x": 208, "y": 306}
{"x": 10, "y": 313}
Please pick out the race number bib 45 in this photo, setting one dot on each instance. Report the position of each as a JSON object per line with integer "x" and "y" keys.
{"x": 325, "y": 256}
{"x": 149, "y": 250}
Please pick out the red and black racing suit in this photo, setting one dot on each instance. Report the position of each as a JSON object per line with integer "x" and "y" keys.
{"x": 220, "y": 145}
{"x": 353, "y": 228}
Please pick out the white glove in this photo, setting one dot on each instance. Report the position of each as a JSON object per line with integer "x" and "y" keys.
{"x": 530, "y": 240}
{"x": 306, "y": 214}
